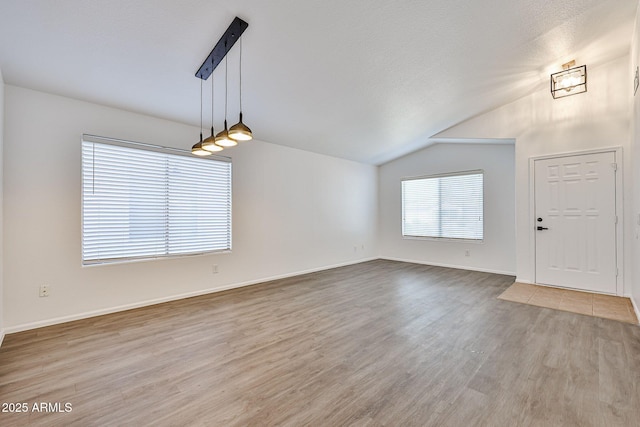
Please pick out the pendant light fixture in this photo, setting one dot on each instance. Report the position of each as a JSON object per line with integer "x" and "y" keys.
{"x": 222, "y": 138}
{"x": 240, "y": 131}
{"x": 197, "y": 147}
{"x": 209, "y": 143}
{"x": 571, "y": 80}
{"x": 219, "y": 52}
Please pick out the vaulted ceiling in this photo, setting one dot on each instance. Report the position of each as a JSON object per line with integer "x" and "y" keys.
{"x": 367, "y": 80}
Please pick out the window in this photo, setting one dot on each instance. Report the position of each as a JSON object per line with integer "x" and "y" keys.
{"x": 145, "y": 202}
{"x": 443, "y": 206}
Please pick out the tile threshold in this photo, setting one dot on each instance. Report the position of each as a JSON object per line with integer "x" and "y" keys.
{"x": 572, "y": 301}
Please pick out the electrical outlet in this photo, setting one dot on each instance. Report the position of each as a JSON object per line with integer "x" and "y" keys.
{"x": 214, "y": 269}
{"x": 44, "y": 291}
{"x": 467, "y": 253}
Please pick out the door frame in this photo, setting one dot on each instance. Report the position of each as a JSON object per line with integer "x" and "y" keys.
{"x": 619, "y": 202}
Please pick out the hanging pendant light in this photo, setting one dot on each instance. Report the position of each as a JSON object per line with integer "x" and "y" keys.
{"x": 199, "y": 151}
{"x": 240, "y": 131}
{"x": 209, "y": 143}
{"x": 222, "y": 138}
{"x": 197, "y": 147}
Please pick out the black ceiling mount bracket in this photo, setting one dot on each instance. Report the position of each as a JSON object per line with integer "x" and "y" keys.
{"x": 220, "y": 50}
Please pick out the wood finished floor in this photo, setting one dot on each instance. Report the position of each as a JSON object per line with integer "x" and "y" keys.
{"x": 378, "y": 343}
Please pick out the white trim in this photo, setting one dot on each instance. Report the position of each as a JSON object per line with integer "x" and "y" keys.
{"x": 577, "y": 153}
{"x": 1, "y": 336}
{"x": 635, "y": 306}
{"x": 525, "y": 281}
{"x": 459, "y": 267}
{"x": 530, "y": 220}
{"x": 100, "y": 312}
{"x": 617, "y": 151}
{"x": 450, "y": 140}
{"x": 444, "y": 175}
{"x": 445, "y": 239}
{"x": 148, "y": 147}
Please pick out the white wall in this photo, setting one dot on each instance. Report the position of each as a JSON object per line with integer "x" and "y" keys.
{"x": 496, "y": 253}
{"x": 1, "y": 205}
{"x": 635, "y": 159}
{"x": 543, "y": 126}
{"x": 293, "y": 211}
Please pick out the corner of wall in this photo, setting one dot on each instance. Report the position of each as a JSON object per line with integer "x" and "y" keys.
{"x": 636, "y": 309}
{"x": 634, "y": 61}
{"x": 1, "y": 207}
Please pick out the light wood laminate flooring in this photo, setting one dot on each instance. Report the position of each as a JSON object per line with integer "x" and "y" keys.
{"x": 378, "y": 343}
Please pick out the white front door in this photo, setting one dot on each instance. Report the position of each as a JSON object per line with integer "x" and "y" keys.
{"x": 575, "y": 222}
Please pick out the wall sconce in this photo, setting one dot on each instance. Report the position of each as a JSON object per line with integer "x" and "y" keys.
{"x": 570, "y": 81}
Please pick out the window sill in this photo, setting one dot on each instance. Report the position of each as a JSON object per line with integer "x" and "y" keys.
{"x": 444, "y": 239}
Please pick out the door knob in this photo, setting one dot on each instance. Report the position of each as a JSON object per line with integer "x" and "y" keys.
{"x": 539, "y": 219}
{"x": 542, "y": 228}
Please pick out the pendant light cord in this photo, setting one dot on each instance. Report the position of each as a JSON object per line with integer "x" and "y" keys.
{"x": 240, "y": 74}
{"x": 212, "y": 103}
{"x": 226, "y": 69}
{"x": 200, "y": 109}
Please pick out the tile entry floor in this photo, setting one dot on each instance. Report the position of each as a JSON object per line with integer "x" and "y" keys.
{"x": 597, "y": 305}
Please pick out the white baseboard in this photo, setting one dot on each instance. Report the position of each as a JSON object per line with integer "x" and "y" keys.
{"x": 460, "y": 267}
{"x": 1, "y": 336}
{"x": 525, "y": 281}
{"x": 100, "y": 312}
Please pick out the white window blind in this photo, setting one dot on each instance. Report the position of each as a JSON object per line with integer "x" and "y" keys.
{"x": 151, "y": 202}
{"x": 446, "y": 206}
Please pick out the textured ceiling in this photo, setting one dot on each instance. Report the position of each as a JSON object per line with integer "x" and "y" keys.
{"x": 367, "y": 80}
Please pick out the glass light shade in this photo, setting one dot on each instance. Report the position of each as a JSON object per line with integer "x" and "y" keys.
{"x": 240, "y": 131}
{"x": 222, "y": 138}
